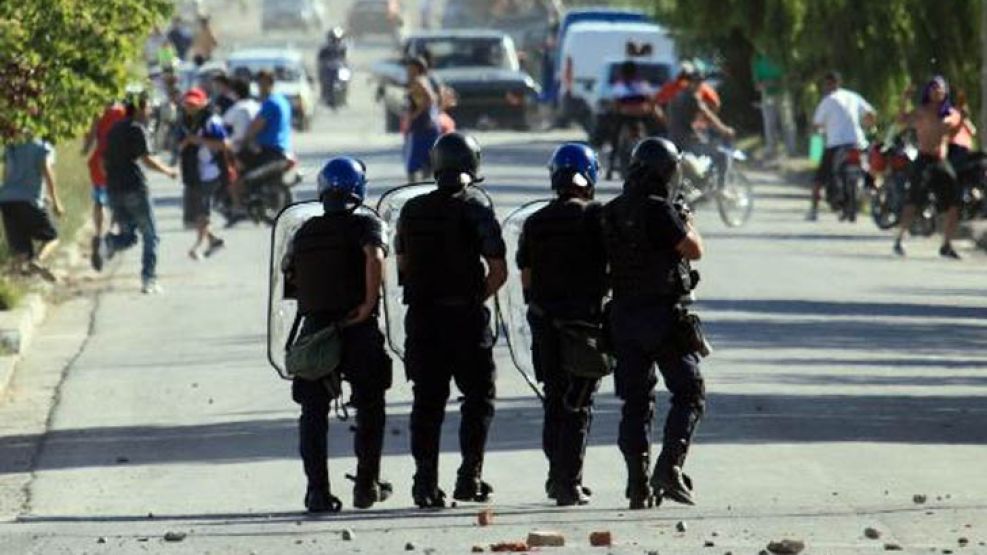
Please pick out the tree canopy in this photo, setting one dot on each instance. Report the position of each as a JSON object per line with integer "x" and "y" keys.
{"x": 879, "y": 47}
{"x": 61, "y": 61}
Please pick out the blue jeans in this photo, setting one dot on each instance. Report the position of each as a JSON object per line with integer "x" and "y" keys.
{"x": 133, "y": 214}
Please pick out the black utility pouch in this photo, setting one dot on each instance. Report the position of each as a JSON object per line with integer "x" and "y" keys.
{"x": 688, "y": 334}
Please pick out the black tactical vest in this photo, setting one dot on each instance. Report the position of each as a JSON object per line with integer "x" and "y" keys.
{"x": 566, "y": 256}
{"x": 639, "y": 267}
{"x": 441, "y": 251}
{"x": 329, "y": 265}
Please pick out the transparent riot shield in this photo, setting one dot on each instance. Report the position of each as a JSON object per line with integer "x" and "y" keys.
{"x": 281, "y": 311}
{"x": 389, "y": 207}
{"x": 513, "y": 310}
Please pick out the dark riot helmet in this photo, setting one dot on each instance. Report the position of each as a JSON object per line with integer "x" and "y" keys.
{"x": 654, "y": 162}
{"x": 456, "y": 161}
{"x": 342, "y": 184}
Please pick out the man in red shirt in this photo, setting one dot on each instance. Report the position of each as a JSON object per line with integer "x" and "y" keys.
{"x": 671, "y": 89}
{"x": 95, "y": 144}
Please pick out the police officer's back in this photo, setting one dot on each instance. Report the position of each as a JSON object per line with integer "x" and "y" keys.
{"x": 333, "y": 270}
{"x": 443, "y": 239}
{"x": 564, "y": 274}
{"x": 649, "y": 241}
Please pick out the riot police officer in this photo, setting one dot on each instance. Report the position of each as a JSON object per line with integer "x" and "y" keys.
{"x": 649, "y": 242}
{"x": 334, "y": 270}
{"x": 443, "y": 239}
{"x": 564, "y": 275}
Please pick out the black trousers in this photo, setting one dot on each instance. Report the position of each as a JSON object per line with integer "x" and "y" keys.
{"x": 367, "y": 368}
{"x": 641, "y": 332}
{"x": 450, "y": 343}
{"x": 568, "y": 405}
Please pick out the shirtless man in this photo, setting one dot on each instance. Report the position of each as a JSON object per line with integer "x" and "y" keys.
{"x": 935, "y": 123}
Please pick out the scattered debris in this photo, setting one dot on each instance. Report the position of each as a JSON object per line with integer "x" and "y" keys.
{"x": 872, "y": 533}
{"x": 142, "y": 539}
{"x": 101, "y": 539}
{"x": 409, "y": 546}
{"x": 347, "y": 535}
{"x": 484, "y": 517}
{"x": 175, "y": 536}
{"x": 963, "y": 542}
{"x": 890, "y": 546}
{"x": 546, "y": 538}
{"x": 919, "y": 498}
{"x": 681, "y": 526}
{"x": 509, "y": 547}
{"x": 601, "y": 539}
{"x": 786, "y": 547}
{"x": 150, "y": 515}
{"x": 476, "y": 549}
{"x": 709, "y": 543}
{"x": 121, "y": 460}
{"x": 715, "y": 534}
{"x": 947, "y": 551}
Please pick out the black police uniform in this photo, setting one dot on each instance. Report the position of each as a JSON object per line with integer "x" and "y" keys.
{"x": 641, "y": 233}
{"x": 326, "y": 273}
{"x": 442, "y": 236}
{"x": 562, "y": 245}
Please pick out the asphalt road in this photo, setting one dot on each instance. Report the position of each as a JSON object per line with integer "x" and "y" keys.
{"x": 844, "y": 383}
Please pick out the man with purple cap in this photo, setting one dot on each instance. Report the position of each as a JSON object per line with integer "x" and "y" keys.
{"x": 935, "y": 122}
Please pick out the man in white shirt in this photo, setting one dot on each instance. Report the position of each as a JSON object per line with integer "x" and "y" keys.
{"x": 238, "y": 118}
{"x": 839, "y": 117}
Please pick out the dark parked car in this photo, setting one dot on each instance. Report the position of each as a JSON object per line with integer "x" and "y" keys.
{"x": 480, "y": 66}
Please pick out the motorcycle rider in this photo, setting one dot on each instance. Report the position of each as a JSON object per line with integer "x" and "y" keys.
{"x": 684, "y": 112}
{"x": 935, "y": 123}
{"x": 564, "y": 275}
{"x": 442, "y": 240}
{"x": 334, "y": 270}
{"x": 332, "y": 57}
{"x": 648, "y": 241}
{"x": 839, "y": 116}
{"x": 269, "y": 135}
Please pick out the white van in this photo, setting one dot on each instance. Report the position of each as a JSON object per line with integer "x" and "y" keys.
{"x": 590, "y": 46}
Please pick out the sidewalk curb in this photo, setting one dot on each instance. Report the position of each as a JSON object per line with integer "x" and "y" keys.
{"x": 17, "y": 328}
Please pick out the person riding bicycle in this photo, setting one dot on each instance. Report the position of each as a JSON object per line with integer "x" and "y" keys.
{"x": 839, "y": 117}
{"x": 684, "y": 111}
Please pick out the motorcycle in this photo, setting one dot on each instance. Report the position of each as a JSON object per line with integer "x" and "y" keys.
{"x": 894, "y": 161}
{"x": 335, "y": 82}
{"x": 266, "y": 191}
{"x": 845, "y": 189}
{"x": 972, "y": 176}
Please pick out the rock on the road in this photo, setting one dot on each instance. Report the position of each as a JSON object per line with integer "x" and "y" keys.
{"x": 872, "y": 533}
{"x": 546, "y": 538}
{"x": 786, "y": 547}
{"x": 601, "y": 539}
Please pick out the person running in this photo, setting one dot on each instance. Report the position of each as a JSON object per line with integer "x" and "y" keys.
{"x": 422, "y": 117}
{"x": 935, "y": 123}
{"x": 95, "y": 145}
{"x": 126, "y": 183}
{"x": 206, "y": 142}
{"x": 839, "y": 116}
{"x": 27, "y": 164}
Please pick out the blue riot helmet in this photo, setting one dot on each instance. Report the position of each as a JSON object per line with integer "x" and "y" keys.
{"x": 574, "y": 166}
{"x": 342, "y": 184}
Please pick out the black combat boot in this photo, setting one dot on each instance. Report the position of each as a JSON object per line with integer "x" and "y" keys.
{"x": 568, "y": 496}
{"x": 668, "y": 480}
{"x": 470, "y": 488}
{"x": 368, "y": 490}
{"x": 639, "y": 491}
{"x": 425, "y": 490}
{"x": 319, "y": 500}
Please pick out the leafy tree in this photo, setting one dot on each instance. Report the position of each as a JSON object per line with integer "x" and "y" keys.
{"x": 62, "y": 60}
{"x": 879, "y": 46}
